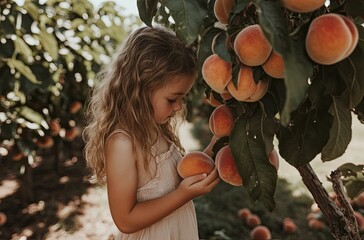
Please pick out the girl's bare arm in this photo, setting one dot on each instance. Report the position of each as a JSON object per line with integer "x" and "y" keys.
{"x": 121, "y": 172}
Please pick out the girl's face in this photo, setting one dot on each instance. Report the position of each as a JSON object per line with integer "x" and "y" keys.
{"x": 166, "y": 101}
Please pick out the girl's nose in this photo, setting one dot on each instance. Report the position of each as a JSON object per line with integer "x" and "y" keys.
{"x": 178, "y": 105}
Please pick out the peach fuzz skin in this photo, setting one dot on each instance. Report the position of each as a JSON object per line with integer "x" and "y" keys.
{"x": 330, "y": 39}
{"x": 221, "y": 121}
{"x": 222, "y": 9}
{"x": 251, "y": 46}
{"x": 194, "y": 163}
{"x": 226, "y": 167}
{"x": 301, "y": 6}
{"x": 261, "y": 233}
{"x": 216, "y": 72}
{"x": 274, "y": 66}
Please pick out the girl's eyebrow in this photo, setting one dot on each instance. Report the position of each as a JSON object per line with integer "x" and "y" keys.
{"x": 178, "y": 93}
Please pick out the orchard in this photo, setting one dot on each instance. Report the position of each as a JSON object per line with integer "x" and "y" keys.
{"x": 285, "y": 69}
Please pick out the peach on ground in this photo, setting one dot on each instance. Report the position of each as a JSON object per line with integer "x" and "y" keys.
{"x": 316, "y": 224}
{"x": 221, "y": 121}
{"x": 244, "y": 213}
{"x": 274, "y": 66}
{"x": 194, "y": 163}
{"x": 289, "y": 226}
{"x": 354, "y": 34}
{"x": 260, "y": 233}
{"x": 301, "y": 6}
{"x": 246, "y": 85}
{"x": 226, "y": 167}
{"x": 222, "y": 9}
{"x": 260, "y": 91}
{"x": 251, "y": 46}
{"x": 360, "y": 220}
{"x": 253, "y": 220}
{"x": 274, "y": 158}
{"x": 328, "y": 39}
{"x": 359, "y": 200}
{"x": 216, "y": 72}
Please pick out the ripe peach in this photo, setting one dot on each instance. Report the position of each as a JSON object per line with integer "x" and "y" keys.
{"x": 354, "y": 33}
{"x": 3, "y": 218}
{"x": 251, "y": 46}
{"x": 55, "y": 127}
{"x": 216, "y": 72}
{"x": 72, "y": 133}
{"x": 18, "y": 156}
{"x": 302, "y": 6}
{"x": 221, "y": 121}
{"x": 244, "y": 213}
{"x": 253, "y": 220}
{"x": 274, "y": 158}
{"x": 46, "y": 143}
{"x": 289, "y": 226}
{"x": 213, "y": 101}
{"x": 226, "y": 167}
{"x": 260, "y": 91}
{"x": 194, "y": 163}
{"x": 329, "y": 39}
{"x": 360, "y": 220}
{"x": 316, "y": 224}
{"x": 274, "y": 66}
{"x": 226, "y": 95}
{"x": 222, "y": 9}
{"x": 359, "y": 200}
{"x": 246, "y": 85}
{"x": 260, "y": 233}
{"x": 75, "y": 107}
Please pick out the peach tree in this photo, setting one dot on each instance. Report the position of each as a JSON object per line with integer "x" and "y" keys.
{"x": 49, "y": 55}
{"x": 288, "y": 69}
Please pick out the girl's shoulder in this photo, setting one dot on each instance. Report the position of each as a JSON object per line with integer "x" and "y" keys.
{"x": 119, "y": 139}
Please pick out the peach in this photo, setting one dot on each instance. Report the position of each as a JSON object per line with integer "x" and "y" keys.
{"x": 55, "y": 127}
{"x": 329, "y": 39}
{"x": 354, "y": 33}
{"x": 18, "y": 156}
{"x": 360, "y": 220}
{"x": 251, "y": 46}
{"x": 274, "y": 66}
{"x": 260, "y": 91}
{"x": 274, "y": 158}
{"x": 260, "y": 233}
{"x": 216, "y": 72}
{"x": 221, "y": 121}
{"x": 45, "y": 143}
{"x": 289, "y": 226}
{"x": 302, "y": 6}
{"x": 226, "y": 95}
{"x": 222, "y": 9}
{"x": 75, "y": 107}
{"x": 194, "y": 163}
{"x": 72, "y": 133}
{"x": 253, "y": 220}
{"x": 226, "y": 167}
{"x": 213, "y": 101}
{"x": 3, "y": 218}
{"x": 244, "y": 213}
{"x": 246, "y": 85}
{"x": 359, "y": 200}
{"x": 316, "y": 224}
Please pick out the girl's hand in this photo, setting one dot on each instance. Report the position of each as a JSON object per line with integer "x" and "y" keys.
{"x": 201, "y": 184}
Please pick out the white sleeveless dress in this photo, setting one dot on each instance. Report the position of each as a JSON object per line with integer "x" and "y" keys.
{"x": 180, "y": 224}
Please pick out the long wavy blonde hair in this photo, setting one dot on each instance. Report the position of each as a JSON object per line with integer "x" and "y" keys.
{"x": 121, "y": 97}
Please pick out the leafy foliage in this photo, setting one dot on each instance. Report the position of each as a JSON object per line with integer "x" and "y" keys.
{"x": 309, "y": 110}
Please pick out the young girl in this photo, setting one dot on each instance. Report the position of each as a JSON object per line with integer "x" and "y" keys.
{"x": 131, "y": 143}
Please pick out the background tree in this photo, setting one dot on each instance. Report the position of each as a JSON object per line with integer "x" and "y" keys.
{"x": 308, "y": 108}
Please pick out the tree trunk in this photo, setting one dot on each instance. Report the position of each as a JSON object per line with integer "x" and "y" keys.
{"x": 342, "y": 225}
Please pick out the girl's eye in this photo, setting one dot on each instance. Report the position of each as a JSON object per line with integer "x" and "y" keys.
{"x": 171, "y": 100}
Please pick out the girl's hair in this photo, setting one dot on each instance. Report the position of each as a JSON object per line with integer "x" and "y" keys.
{"x": 121, "y": 97}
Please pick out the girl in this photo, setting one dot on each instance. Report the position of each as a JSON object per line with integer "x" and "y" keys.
{"x": 130, "y": 139}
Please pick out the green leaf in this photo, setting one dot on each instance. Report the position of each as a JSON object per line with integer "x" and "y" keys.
{"x": 298, "y": 67}
{"x": 354, "y": 187}
{"x": 23, "y": 69}
{"x": 32, "y": 9}
{"x": 49, "y": 43}
{"x": 147, "y": 10}
{"x": 350, "y": 169}
{"x": 31, "y": 115}
{"x": 24, "y": 49}
{"x": 359, "y": 110}
{"x": 305, "y": 136}
{"x": 219, "y": 46}
{"x": 355, "y": 8}
{"x": 340, "y": 133}
{"x": 188, "y": 16}
{"x": 249, "y": 151}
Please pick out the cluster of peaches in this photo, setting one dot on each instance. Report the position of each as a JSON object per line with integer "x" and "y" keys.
{"x": 221, "y": 123}
{"x": 330, "y": 38}
{"x": 259, "y": 230}
{"x": 316, "y": 220}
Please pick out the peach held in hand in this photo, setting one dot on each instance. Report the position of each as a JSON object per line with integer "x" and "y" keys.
{"x": 194, "y": 163}
{"x": 225, "y": 164}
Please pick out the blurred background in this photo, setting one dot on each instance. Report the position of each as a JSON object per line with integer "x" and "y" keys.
{"x": 50, "y": 52}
